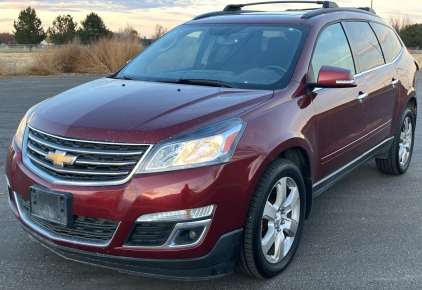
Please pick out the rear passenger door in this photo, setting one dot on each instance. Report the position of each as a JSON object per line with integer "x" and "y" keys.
{"x": 379, "y": 80}
{"x": 392, "y": 50}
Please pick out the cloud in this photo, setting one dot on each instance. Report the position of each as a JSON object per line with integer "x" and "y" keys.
{"x": 145, "y": 14}
{"x": 127, "y": 5}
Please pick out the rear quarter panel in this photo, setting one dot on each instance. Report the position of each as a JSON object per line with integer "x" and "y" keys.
{"x": 407, "y": 73}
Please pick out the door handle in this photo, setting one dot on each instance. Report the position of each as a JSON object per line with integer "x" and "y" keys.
{"x": 362, "y": 96}
{"x": 394, "y": 82}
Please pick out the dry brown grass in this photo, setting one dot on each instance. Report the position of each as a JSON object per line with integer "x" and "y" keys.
{"x": 107, "y": 55}
{"x": 55, "y": 62}
{"x": 16, "y": 64}
{"x": 418, "y": 57}
{"x": 3, "y": 68}
{"x": 104, "y": 57}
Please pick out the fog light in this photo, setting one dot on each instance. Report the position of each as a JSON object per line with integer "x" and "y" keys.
{"x": 192, "y": 234}
{"x": 171, "y": 229}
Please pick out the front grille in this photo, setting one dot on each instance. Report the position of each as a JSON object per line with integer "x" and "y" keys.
{"x": 95, "y": 161}
{"x": 149, "y": 234}
{"x": 84, "y": 228}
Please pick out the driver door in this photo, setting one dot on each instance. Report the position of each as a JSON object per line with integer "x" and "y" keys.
{"x": 341, "y": 116}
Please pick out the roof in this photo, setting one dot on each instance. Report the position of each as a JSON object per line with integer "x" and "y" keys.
{"x": 307, "y": 13}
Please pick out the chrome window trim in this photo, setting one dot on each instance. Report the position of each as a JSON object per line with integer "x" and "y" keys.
{"x": 372, "y": 69}
{"x": 381, "y": 66}
{"x": 51, "y": 235}
{"x": 169, "y": 243}
{"x": 28, "y": 163}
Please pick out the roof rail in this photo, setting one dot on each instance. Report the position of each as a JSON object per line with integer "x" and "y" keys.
{"x": 369, "y": 9}
{"x": 365, "y": 10}
{"x": 238, "y": 7}
{"x": 217, "y": 13}
{"x": 234, "y": 9}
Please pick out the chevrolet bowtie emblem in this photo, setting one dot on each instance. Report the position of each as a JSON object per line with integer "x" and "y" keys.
{"x": 59, "y": 158}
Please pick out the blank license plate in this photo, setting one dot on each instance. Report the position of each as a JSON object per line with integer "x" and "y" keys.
{"x": 54, "y": 206}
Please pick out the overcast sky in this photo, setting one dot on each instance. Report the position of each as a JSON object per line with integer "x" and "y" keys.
{"x": 144, "y": 14}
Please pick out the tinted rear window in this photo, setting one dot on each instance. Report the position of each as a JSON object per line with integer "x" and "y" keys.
{"x": 366, "y": 45}
{"x": 389, "y": 41}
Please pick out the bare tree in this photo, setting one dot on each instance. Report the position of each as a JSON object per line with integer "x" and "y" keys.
{"x": 128, "y": 33}
{"x": 395, "y": 23}
{"x": 398, "y": 23}
{"x": 7, "y": 38}
{"x": 159, "y": 31}
{"x": 406, "y": 21}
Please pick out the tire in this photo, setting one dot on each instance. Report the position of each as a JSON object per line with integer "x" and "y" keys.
{"x": 401, "y": 151}
{"x": 270, "y": 240}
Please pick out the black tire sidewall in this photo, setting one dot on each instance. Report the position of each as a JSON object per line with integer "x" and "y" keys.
{"x": 407, "y": 113}
{"x": 267, "y": 269}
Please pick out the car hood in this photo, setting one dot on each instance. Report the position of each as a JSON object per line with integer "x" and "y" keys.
{"x": 139, "y": 112}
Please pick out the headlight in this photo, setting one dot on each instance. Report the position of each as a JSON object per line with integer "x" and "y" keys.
{"x": 213, "y": 145}
{"x": 178, "y": 215}
{"x": 22, "y": 126}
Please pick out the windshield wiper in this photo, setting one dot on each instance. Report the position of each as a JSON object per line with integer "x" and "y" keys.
{"x": 131, "y": 78}
{"x": 206, "y": 82}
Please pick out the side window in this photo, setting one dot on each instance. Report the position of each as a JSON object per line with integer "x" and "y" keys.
{"x": 366, "y": 44}
{"x": 331, "y": 49}
{"x": 390, "y": 44}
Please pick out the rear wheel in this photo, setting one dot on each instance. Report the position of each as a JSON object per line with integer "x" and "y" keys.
{"x": 401, "y": 151}
{"x": 274, "y": 222}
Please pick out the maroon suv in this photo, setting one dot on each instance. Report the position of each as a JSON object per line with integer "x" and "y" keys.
{"x": 204, "y": 152}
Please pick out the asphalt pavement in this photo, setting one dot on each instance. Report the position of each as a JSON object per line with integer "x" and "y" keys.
{"x": 364, "y": 233}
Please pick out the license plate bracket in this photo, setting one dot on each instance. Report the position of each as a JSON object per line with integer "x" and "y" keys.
{"x": 51, "y": 205}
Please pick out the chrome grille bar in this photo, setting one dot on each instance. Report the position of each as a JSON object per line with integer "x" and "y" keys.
{"x": 92, "y": 163}
{"x": 39, "y": 152}
{"x": 87, "y": 162}
{"x": 91, "y": 172}
{"x": 105, "y": 163}
{"x": 81, "y": 150}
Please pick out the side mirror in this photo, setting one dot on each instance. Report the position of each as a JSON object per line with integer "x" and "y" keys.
{"x": 334, "y": 77}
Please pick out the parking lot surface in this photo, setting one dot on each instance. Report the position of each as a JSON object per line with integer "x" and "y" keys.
{"x": 364, "y": 233}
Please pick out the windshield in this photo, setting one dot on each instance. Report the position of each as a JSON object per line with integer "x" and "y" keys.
{"x": 228, "y": 55}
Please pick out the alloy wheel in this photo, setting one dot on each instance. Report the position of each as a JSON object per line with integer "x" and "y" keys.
{"x": 405, "y": 145}
{"x": 280, "y": 220}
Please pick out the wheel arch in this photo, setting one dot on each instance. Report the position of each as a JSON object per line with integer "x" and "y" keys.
{"x": 298, "y": 151}
{"x": 413, "y": 105}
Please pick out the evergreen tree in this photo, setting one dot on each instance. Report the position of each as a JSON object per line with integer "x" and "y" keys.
{"x": 93, "y": 28}
{"x": 28, "y": 29}
{"x": 412, "y": 35}
{"x": 63, "y": 30}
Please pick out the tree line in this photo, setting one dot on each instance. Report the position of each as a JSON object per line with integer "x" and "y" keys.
{"x": 28, "y": 30}
{"x": 410, "y": 33}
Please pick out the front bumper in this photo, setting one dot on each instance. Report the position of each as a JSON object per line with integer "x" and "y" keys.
{"x": 227, "y": 186}
{"x": 219, "y": 262}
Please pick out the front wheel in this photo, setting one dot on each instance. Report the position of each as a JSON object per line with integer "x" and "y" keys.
{"x": 274, "y": 221}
